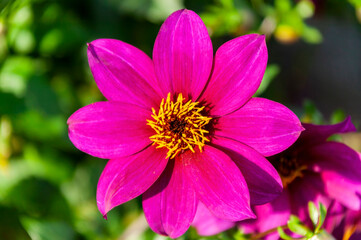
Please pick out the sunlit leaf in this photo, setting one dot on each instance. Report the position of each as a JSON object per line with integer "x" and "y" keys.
{"x": 323, "y": 212}
{"x": 283, "y": 235}
{"x": 305, "y": 8}
{"x": 337, "y": 116}
{"x": 311, "y": 35}
{"x": 313, "y": 212}
{"x": 296, "y": 226}
{"x": 22, "y": 16}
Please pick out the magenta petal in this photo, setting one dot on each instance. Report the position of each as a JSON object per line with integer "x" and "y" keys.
{"x": 170, "y": 204}
{"x": 275, "y": 213}
{"x": 334, "y": 218}
{"x": 126, "y": 178}
{"x": 305, "y": 189}
{"x": 238, "y": 71}
{"x": 123, "y": 72}
{"x": 207, "y": 224}
{"x": 335, "y": 156}
{"x": 339, "y": 167}
{"x": 270, "y": 215}
{"x": 264, "y": 125}
{"x": 183, "y": 54}
{"x": 344, "y": 190}
{"x": 219, "y": 183}
{"x": 319, "y": 133}
{"x": 110, "y": 129}
{"x": 262, "y": 179}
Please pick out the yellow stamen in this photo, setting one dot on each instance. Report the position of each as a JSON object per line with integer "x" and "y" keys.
{"x": 295, "y": 174}
{"x": 179, "y": 126}
{"x": 289, "y": 167}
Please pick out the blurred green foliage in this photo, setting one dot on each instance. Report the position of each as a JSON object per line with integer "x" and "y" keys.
{"x": 47, "y": 186}
{"x": 281, "y": 18}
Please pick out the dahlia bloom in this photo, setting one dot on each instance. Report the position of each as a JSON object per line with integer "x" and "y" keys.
{"x": 183, "y": 128}
{"x": 313, "y": 169}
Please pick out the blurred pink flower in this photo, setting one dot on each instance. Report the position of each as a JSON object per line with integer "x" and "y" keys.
{"x": 313, "y": 169}
{"x": 183, "y": 127}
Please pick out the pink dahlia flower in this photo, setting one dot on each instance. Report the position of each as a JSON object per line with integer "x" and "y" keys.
{"x": 183, "y": 127}
{"x": 313, "y": 169}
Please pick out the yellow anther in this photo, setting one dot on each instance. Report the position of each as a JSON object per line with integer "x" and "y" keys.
{"x": 179, "y": 126}
{"x": 286, "y": 180}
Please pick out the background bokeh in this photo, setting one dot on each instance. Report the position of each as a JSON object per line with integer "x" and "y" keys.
{"x": 47, "y": 186}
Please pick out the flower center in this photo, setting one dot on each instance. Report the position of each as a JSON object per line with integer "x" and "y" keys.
{"x": 288, "y": 167}
{"x": 179, "y": 126}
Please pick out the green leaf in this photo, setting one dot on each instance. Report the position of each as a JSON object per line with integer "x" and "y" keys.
{"x": 294, "y": 218}
{"x": 51, "y": 41}
{"x": 337, "y": 116}
{"x": 283, "y": 5}
{"x": 313, "y": 212}
{"x": 356, "y": 3}
{"x": 15, "y": 73}
{"x": 4, "y": 6}
{"x": 323, "y": 213}
{"x": 311, "y": 113}
{"x": 305, "y": 8}
{"x": 241, "y": 236}
{"x": 311, "y": 35}
{"x": 283, "y": 235}
{"x": 296, "y": 226}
